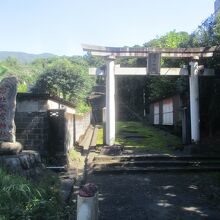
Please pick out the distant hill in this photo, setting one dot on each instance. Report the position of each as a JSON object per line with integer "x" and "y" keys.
{"x": 24, "y": 57}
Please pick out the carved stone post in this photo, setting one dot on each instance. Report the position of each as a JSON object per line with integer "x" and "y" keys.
{"x": 8, "y": 92}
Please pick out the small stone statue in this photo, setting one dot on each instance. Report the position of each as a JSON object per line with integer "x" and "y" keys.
{"x": 8, "y": 92}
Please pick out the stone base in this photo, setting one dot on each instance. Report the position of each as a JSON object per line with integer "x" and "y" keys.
{"x": 10, "y": 148}
{"x": 24, "y": 163}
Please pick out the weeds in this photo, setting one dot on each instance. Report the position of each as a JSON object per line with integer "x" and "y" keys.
{"x": 22, "y": 199}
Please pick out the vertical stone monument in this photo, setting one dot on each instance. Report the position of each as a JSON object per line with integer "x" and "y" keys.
{"x": 8, "y": 92}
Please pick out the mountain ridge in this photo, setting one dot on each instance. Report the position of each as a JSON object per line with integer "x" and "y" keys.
{"x": 24, "y": 57}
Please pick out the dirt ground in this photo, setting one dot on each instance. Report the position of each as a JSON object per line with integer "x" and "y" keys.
{"x": 158, "y": 196}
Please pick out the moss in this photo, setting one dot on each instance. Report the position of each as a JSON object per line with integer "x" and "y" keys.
{"x": 153, "y": 139}
{"x": 100, "y": 136}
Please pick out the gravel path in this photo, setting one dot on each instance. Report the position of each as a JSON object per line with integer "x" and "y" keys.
{"x": 158, "y": 196}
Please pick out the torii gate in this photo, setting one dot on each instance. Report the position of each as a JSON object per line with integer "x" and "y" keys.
{"x": 153, "y": 68}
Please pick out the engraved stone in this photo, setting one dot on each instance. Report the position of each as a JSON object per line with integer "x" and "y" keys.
{"x": 8, "y": 92}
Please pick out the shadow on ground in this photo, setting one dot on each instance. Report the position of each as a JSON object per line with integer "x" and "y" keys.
{"x": 158, "y": 196}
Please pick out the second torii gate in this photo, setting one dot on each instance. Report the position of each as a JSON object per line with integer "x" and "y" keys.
{"x": 153, "y": 68}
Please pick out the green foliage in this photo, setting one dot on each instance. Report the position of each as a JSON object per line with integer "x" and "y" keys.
{"x": 216, "y": 29}
{"x": 131, "y": 87}
{"x": 164, "y": 86}
{"x": 67, "y": 78}
{"x": 82, "y": 107}
{"x": 204, "y": 34}
{"x": 94, "y": 61}
{"x": 2, "y": 70}
{"x": 22, "y": 199}
{"x": 172, "y": 39}
{"x": 127, "y": 90}
{"x": 22, "y": 88}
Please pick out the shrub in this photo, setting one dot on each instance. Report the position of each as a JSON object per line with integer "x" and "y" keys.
{"x": 22, "y": 199}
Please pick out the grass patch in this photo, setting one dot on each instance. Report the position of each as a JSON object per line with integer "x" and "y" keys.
{"x": 74, "y": 155}
{"x": 153, "y": 140}
{"x": 76, "y": 158}
{"x": 23, "y": 199}
{"x": 100, "y": 136}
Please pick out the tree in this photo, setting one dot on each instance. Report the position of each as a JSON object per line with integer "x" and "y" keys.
{"x": 129, "y": 88}
{"x": 66, "y": 78}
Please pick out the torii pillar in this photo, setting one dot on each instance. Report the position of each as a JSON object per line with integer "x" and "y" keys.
{"x": 110, "y": 101}
{"x": 194, "y": 101}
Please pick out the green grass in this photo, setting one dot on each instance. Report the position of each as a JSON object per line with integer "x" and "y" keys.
{"x": 75, "y": 155}
{"x": 100, "y": 136}
{"x": 155, "y": 140}
{"x": 23, "y": 199}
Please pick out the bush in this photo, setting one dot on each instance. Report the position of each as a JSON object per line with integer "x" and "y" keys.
{"x": 22, "y": 199}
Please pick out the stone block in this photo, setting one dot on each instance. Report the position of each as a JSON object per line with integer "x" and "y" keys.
{"x": 12, "y": 163}
{"x": 25, "y": 164}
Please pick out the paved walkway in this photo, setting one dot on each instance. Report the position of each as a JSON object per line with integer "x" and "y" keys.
{"x": 158, "y": 196}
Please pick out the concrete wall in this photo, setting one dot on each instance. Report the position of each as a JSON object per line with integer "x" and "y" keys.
{"x": 34, "y": 105}
{"x": 69, "y": 130}
{"x": 82, "y": 122}
{"x": 31, "y": 106}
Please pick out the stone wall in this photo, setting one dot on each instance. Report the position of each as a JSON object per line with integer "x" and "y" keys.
{"x": 52, "y": 133}
{"x": 24, "y": 163}
{"x": 32, "y": 130}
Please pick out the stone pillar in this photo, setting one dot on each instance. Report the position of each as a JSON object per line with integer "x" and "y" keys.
{"x": 110, "y": 102}
{"x": 194, "y": 102}
{"x": 8, "y": 92}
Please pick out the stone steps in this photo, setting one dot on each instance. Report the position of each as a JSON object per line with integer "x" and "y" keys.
{"x": 157, "y": 163}
{"x": 154, "y": 163}
{"x": 135, "y": 170}
{"x": 155, "y": 157}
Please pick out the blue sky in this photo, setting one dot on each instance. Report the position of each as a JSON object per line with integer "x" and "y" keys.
{"x": 60, "y": 26}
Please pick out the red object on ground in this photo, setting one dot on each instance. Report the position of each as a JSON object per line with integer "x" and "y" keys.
{"x": 88, "y": 190}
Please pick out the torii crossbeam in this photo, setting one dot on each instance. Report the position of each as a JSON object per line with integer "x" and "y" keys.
{"x": 111, "y": 53}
